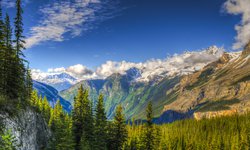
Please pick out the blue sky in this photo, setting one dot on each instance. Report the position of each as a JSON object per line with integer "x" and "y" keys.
{"x": 131, "y": 30}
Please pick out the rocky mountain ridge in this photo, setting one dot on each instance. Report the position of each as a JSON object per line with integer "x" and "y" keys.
{"x": 221, "y": 88}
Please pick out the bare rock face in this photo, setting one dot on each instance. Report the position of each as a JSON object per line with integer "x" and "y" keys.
{"x": 213, "y": 114}
{"x": 29, "y": 129}
{"x": 221, "y": 88}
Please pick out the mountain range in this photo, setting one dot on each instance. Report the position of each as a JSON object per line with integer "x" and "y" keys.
{"x": 201, "y": 89}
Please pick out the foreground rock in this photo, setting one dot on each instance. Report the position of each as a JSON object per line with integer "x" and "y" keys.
{"x": 29, "y": 129}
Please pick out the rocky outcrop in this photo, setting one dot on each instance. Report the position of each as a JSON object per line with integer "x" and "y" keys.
{"x": 29, "y": 129}
{"x": 213, "y": 114}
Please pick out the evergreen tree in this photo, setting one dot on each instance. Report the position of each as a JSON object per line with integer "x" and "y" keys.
{"x": 88, "y": 121}
{"x": 100, "y": 125}
{"x": 68, "y": 143}
{"x": 83, "y": 120}
{"x": 2, "y": 56}
{"x": 149, "y": 138}
{"x": 9, "y": 56}
{"x": 60, "y": 124}
{"x": 9, "y": 63}
{"x": 7, "y": 32}
{"x": 119, "y": 130}
{"x": 34, "y": 98}
{"x": 19, "y": 38}
{"x": 40, "y": 104}
{"x": 20, "y": 70}
{"x": 46, "y": 109}
{"x": 77, "y": 117}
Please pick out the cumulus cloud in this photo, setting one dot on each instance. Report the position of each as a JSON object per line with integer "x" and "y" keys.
{"x": 63, "y": 18}
{"x": 38, "y": 74}
{"x": 79, "y": 71}
{"x": 178, "y": 64}
{"x": 240, "y": 7}
{"x": 111, "y": 67}
{"x": 185, "y": 63}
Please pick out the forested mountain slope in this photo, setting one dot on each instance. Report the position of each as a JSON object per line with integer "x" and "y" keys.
{"x": 121, "y": 89}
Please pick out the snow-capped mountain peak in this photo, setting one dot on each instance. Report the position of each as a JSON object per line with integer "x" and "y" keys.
{"x": 60, "y": 81}
{"x": 60, "y": 77}
{"x": 213, "y": 50}
{"x": 179, "y": 64}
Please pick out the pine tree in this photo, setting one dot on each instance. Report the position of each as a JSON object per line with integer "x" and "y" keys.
{"x": 88, "y": 120}
{"x": 149, "y": 138}
{"x": 100, "y": 125}
{"x": 9, "y": 64}
{"x": 9, "y": 56}
{"x": 46, "y": 109}
{"x": 40, "y": 103}
{"x": 7, "y": 32}
{"x": 2, "y": 56}
{"x": 19, "y": 38}
{"x": 60, "y": 124}
{"x": 67, "y": 137}
{"x": 77, "y": 118}
{"x": 34, "y": 98}
{"x": 83, "y": 120}
{"x": 20, "y": 69}
{"x": 119, "y": 131}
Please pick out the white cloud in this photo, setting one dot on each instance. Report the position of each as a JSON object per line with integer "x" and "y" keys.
{"x": 240, "y": 7}
{"x": 79, "y": 71}
{"x": 38, "y": 74}
{"x": 64, "y": 17}
{"x": 178, "y": 64}
{"x": 111, "y": 67}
